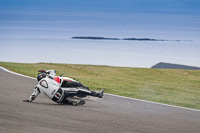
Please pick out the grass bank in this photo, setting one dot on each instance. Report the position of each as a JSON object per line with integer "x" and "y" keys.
{"x": 169, "y": 86}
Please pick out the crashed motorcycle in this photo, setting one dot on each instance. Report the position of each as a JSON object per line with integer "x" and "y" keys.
{"x": 61, "y": 89}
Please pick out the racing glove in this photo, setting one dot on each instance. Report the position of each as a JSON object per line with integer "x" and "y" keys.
{"x": 26, "y": 100}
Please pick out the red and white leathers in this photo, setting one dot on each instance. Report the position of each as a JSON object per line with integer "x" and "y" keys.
{"x": 51, "y": 87}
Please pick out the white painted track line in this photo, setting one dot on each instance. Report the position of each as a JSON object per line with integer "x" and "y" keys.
{"x": 16, "y": 73}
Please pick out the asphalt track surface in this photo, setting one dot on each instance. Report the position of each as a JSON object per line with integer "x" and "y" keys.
{"x": 109, "y": 114}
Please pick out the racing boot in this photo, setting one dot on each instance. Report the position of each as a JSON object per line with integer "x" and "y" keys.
{"x": 101, "y": 93}
{"x": 97, "y": 94}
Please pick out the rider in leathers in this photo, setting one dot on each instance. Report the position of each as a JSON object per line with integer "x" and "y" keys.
{"x": 60, "y": 93}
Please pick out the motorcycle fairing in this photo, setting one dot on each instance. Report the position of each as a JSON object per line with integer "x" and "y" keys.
{"x": 57, "y": 79}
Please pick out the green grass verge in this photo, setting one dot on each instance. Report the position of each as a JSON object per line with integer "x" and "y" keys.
{"x": 169, "y": 86}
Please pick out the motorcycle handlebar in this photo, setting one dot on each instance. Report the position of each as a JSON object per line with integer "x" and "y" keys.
{"x": 61, "y": 75}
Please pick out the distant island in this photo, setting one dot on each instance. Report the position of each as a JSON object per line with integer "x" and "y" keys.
{"x": 106, "y": 38}
{"x": 95, "y": 38}
{"x": 163, "y": 65}
{"x": 143, "y": 39}
{"x": 129, "y": 39}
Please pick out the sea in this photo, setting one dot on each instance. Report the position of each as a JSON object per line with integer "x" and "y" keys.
{"x": 33, "y": 36}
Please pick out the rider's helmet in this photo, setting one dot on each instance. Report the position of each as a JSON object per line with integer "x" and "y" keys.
{"x": 41, "y": 76}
